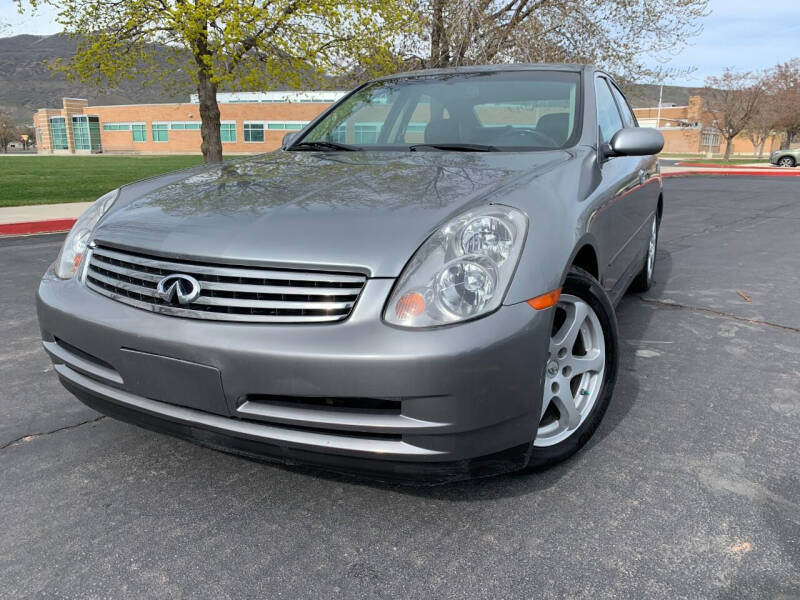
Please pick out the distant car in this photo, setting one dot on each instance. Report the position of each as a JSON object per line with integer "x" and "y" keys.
{"x": 785, "y": 158}
{"x": 420, "y": 284}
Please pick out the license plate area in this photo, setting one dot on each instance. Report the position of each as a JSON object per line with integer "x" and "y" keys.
{"x": 173, "y": 380}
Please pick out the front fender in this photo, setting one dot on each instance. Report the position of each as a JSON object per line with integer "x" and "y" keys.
{"x": 559, "y": 216}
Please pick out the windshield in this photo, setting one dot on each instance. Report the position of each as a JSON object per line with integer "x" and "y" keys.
{"x": 507, "y": 111}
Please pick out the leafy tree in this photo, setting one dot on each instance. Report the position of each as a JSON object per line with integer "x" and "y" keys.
{"x": 8, "y": 131}
{"x": 246, "y": 44}
{"x": 732, "y": 99}
{"x": 617, "y": 34}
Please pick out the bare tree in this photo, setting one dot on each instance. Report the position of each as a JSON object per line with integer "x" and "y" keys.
{"x": 8, "y": 131}
{"x": 784, "y": 82}
{"x": 765, "y": 118}
{"x": 732, "y": 99}
{"x": 616, "y": 34}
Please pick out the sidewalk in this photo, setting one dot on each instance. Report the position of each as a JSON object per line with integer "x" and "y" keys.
{"x": 39, "y": 218}
{"x": 755, "y": 170}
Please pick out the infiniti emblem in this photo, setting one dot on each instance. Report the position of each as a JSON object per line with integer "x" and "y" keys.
{"x": 178, "y": 289}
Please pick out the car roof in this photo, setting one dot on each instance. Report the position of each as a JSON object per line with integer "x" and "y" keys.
{"x": 492, "y": 68}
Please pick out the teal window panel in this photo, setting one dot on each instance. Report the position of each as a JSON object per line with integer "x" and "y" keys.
{"x": 253, "y": 132}
{"x": 139, "y": 133}
{"x": 227, "y": 132}
{"x": 58, "y": 133}
{"x": 160, "y": 132}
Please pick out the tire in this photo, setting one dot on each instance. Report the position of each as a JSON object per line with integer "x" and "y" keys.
{"x": 559, "y": 436}
{"x": 644, "y": 280}
{"x": 786, "y": 161}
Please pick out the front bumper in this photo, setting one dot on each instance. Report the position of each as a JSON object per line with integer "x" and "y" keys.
{"x": 357, "y": 395}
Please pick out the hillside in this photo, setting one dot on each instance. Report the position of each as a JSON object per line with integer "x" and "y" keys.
{"x": 643, "y": 96}
{"x": 26, "y": 84}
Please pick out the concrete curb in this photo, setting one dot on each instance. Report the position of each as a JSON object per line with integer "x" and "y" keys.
{"x": 721, "y": 166}
{"x": 33, "y": 227}
{"x": 733, "y": 172}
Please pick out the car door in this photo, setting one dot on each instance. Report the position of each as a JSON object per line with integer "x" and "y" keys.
{"x": 617, "y": 222}
{"x": 645, "y": 201}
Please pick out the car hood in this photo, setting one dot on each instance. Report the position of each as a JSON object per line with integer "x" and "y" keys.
{"x": 360, "y": 211}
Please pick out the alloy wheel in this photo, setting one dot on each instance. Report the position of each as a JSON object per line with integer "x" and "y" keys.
{"x": 786, "y": 162}
{"x": 574, "y": 371}
{"x": 651, "y": 250}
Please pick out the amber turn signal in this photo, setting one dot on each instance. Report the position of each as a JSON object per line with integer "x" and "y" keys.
{"x": 545, "y": 300}
{"x": 410, "y": 306}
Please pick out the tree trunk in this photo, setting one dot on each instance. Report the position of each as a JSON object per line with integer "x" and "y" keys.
{"x": 761, "y": 147}
{"x": 209, "y": 115}
{"x": 439, "y": 47}
{"x": 728, "y": 148}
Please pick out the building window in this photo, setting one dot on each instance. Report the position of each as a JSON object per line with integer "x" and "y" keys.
{"x": 181, "y": 125}
{"x": 86, "y": 133}
{"x": 253, "y": 132}
{"x": 709, "y": 139}
{"x": 295, "y": 126}
{"x": 339, "y": 134}
{"x": 116, "y": 126}
{"x": 94, "y": 133}
{"x": 80, "y": 133}
{"x": 160, "y": 132}
{"x": 139, "y": 132}
{"x": 227, "y": 131}
{"x": 58, "y": 133}
{"x": 366, "y": 133}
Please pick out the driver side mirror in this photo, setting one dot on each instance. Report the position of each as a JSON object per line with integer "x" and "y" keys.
{"x": 634, "y": 141}
{"x": 288, "y": 140}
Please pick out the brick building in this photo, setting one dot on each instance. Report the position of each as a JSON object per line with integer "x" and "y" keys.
{"x": 690, "y": 130}
{"x": 255, "y": 122}
{"x": 250, "y": 123}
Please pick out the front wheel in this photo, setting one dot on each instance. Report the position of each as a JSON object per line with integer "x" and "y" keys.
{"x": 786, "y": 161}
{"x": 644, "y": 280}
{"x": 580, "y": 372}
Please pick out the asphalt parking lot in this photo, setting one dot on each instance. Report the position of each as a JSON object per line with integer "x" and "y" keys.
{"x": 689, "y": 489}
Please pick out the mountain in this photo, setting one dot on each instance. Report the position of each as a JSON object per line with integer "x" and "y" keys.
{"x": 645, "y": 95}
{"x": 27, "y": 84}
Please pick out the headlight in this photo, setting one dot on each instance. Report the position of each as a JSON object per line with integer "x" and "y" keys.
{"x": 462, "y": 271}
{"x": 74, "y": 249}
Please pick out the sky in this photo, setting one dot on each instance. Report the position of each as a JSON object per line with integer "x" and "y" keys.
{"x": 742, "y": 34}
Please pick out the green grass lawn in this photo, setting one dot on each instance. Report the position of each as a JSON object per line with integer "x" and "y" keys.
{"x": 722, "y": 161}
{"x": 26, "y": 180}
{"x": 739, "y": 160}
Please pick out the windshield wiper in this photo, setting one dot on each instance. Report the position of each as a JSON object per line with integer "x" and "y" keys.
{"x": 457, "y": 147}
{"x": 324, "y": 146}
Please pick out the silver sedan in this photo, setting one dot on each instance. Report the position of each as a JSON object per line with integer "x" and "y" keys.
{"x": 419, "y": 285}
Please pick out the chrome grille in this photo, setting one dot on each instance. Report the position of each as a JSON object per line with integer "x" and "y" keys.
{"x": 228, "y": 293}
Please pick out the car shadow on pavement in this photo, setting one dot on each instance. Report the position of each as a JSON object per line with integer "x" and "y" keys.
{"x": 633, "y": 317}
